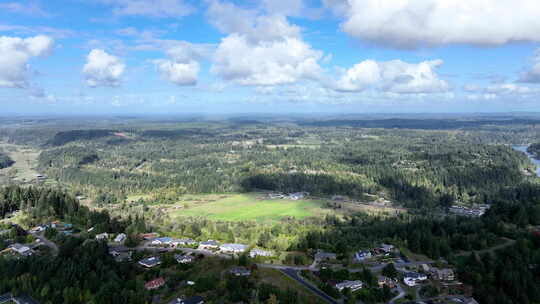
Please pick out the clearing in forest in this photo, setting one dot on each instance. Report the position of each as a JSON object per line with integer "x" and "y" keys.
{"x": 238, "y": 207}
{"x": 25, "y": 161}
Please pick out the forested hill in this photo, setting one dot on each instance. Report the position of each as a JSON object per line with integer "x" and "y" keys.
{"x": 534, "y": 149}
{"x": 5, "y": 161}
{"x": 65, "y": 137}
{"x": 83, "y": 271}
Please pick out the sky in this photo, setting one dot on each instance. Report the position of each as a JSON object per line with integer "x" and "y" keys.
{"x": 269, "y": 56}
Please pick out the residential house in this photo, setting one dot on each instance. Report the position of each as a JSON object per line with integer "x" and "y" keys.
{"x": 188, "y": 242}
{"x": 324, "y": 256}
{"x": 362, "y": 255}
{"x": 120, "y": 256}
{"x": 38, "y": 229}
{"x": 382, "y": 280}
{"x": 276, "y": 196}
{"x": 387, "y": 248}
{"x": 259, "y": 252}
{"x": 412, "y": 278}
{"x": 21, "y": 249}
{"x": 352, "y": 285}
{"x": 233, "y": 248}
{"x": 154, "y": 284}
{"x": 184, "y": 258}
{"x": 148, "y": 236}
{"x": 210, "y": 244}
{"x": 102, "y": 236}
{"x": 445, "y": 274}
{"x": 240, "y": 271}
{"x": 297, "y": 196}
{"x": 162, "y": 241}
{"x": 120, "y": 238}
{"x": 150, "y": 262}
{"x": 192, "y": 300}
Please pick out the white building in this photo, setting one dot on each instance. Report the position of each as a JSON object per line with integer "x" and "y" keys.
{"x": 259, "y": 252}
{"x": 352, "y": 285}
{"x": 362, "y": 255}
{"x": 21, "y": 249}
{"x": 233, "y": 248}
{"x": 412, "y": 278}
{"x": 102, "y": 236}
{"x": 162, "y": 241}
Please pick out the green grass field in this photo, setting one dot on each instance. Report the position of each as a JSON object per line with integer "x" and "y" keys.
{"x": 241, "y": 207}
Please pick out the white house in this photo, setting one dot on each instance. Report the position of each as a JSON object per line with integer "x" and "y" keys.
{"x": 21, "y": 249}
{"x": 259, "y": 252}
{"x": 362, "y": 255}
{"x": 210, "y": 244}
{"x": 102, "y": 236}
{"x": 352, "y": 285}
{"x": 162, "y": 241}
{"x": 120, "y": 238}
{"x": 233, "y": 248}
{"x": 184, "y": 259}
{"x": 412, "y": 278}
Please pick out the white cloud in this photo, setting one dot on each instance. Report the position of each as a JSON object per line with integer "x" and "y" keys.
{"x": 182, "y": 74}
{"x": 260, "y": 49}
{"x": 267, "y": 62}
{"x": 103, "y": 69}
{"x": 15, "y": 55}
{"x": 533, "y": 74}
{"x": 393, "y": 76}
{"x": 229, "y": 19}
{"x": 413, "y": 23}
{"x": 280, "y": 7}
{"x": 154, "y": 8}
{"x": 182, "y": 67}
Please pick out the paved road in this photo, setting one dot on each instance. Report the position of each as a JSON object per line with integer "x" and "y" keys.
{"x": 293, "y": 274}
{"x": 399, "y": 296}
{"x": 47, "y": 243}
{"x": 285, "y": 267}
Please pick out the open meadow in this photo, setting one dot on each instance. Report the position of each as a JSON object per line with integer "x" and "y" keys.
{"x": 241, "y": 207}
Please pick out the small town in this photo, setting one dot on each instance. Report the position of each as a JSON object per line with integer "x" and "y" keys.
{"x": 326, "y": 275}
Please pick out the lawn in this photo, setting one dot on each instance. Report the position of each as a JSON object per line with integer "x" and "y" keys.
{"x": 240, "y": 207}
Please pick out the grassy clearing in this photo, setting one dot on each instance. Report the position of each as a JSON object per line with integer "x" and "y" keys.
{"x": 240, "y": 207}
{"x": 25, "y": 161}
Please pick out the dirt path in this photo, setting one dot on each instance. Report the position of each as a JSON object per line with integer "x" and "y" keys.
{"x": 508, "y": 242}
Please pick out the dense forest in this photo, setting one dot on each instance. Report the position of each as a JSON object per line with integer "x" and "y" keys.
{"x": 417, "y": 168}
{"x": 534, "y": 149}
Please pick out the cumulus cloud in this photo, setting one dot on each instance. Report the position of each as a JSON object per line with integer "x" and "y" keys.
{"x": 15, "y": 55}
{"x": 265, "y": 63}
{"x": 393, "y": 76}
{"x": 413, "y": 23}
{"x": 102, "y": 69}
{"x": 260, "y": 49}
{"x": 154, "y": 8}
{"x": 182, "y": 74}
{"x": 182, "y": 67}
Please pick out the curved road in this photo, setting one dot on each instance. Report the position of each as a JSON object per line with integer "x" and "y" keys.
{"x": 47, "y": 243}
{"x": 293, "y": 274}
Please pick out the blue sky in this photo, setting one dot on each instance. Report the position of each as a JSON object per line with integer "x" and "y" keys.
{"x": 294, "y": 56}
